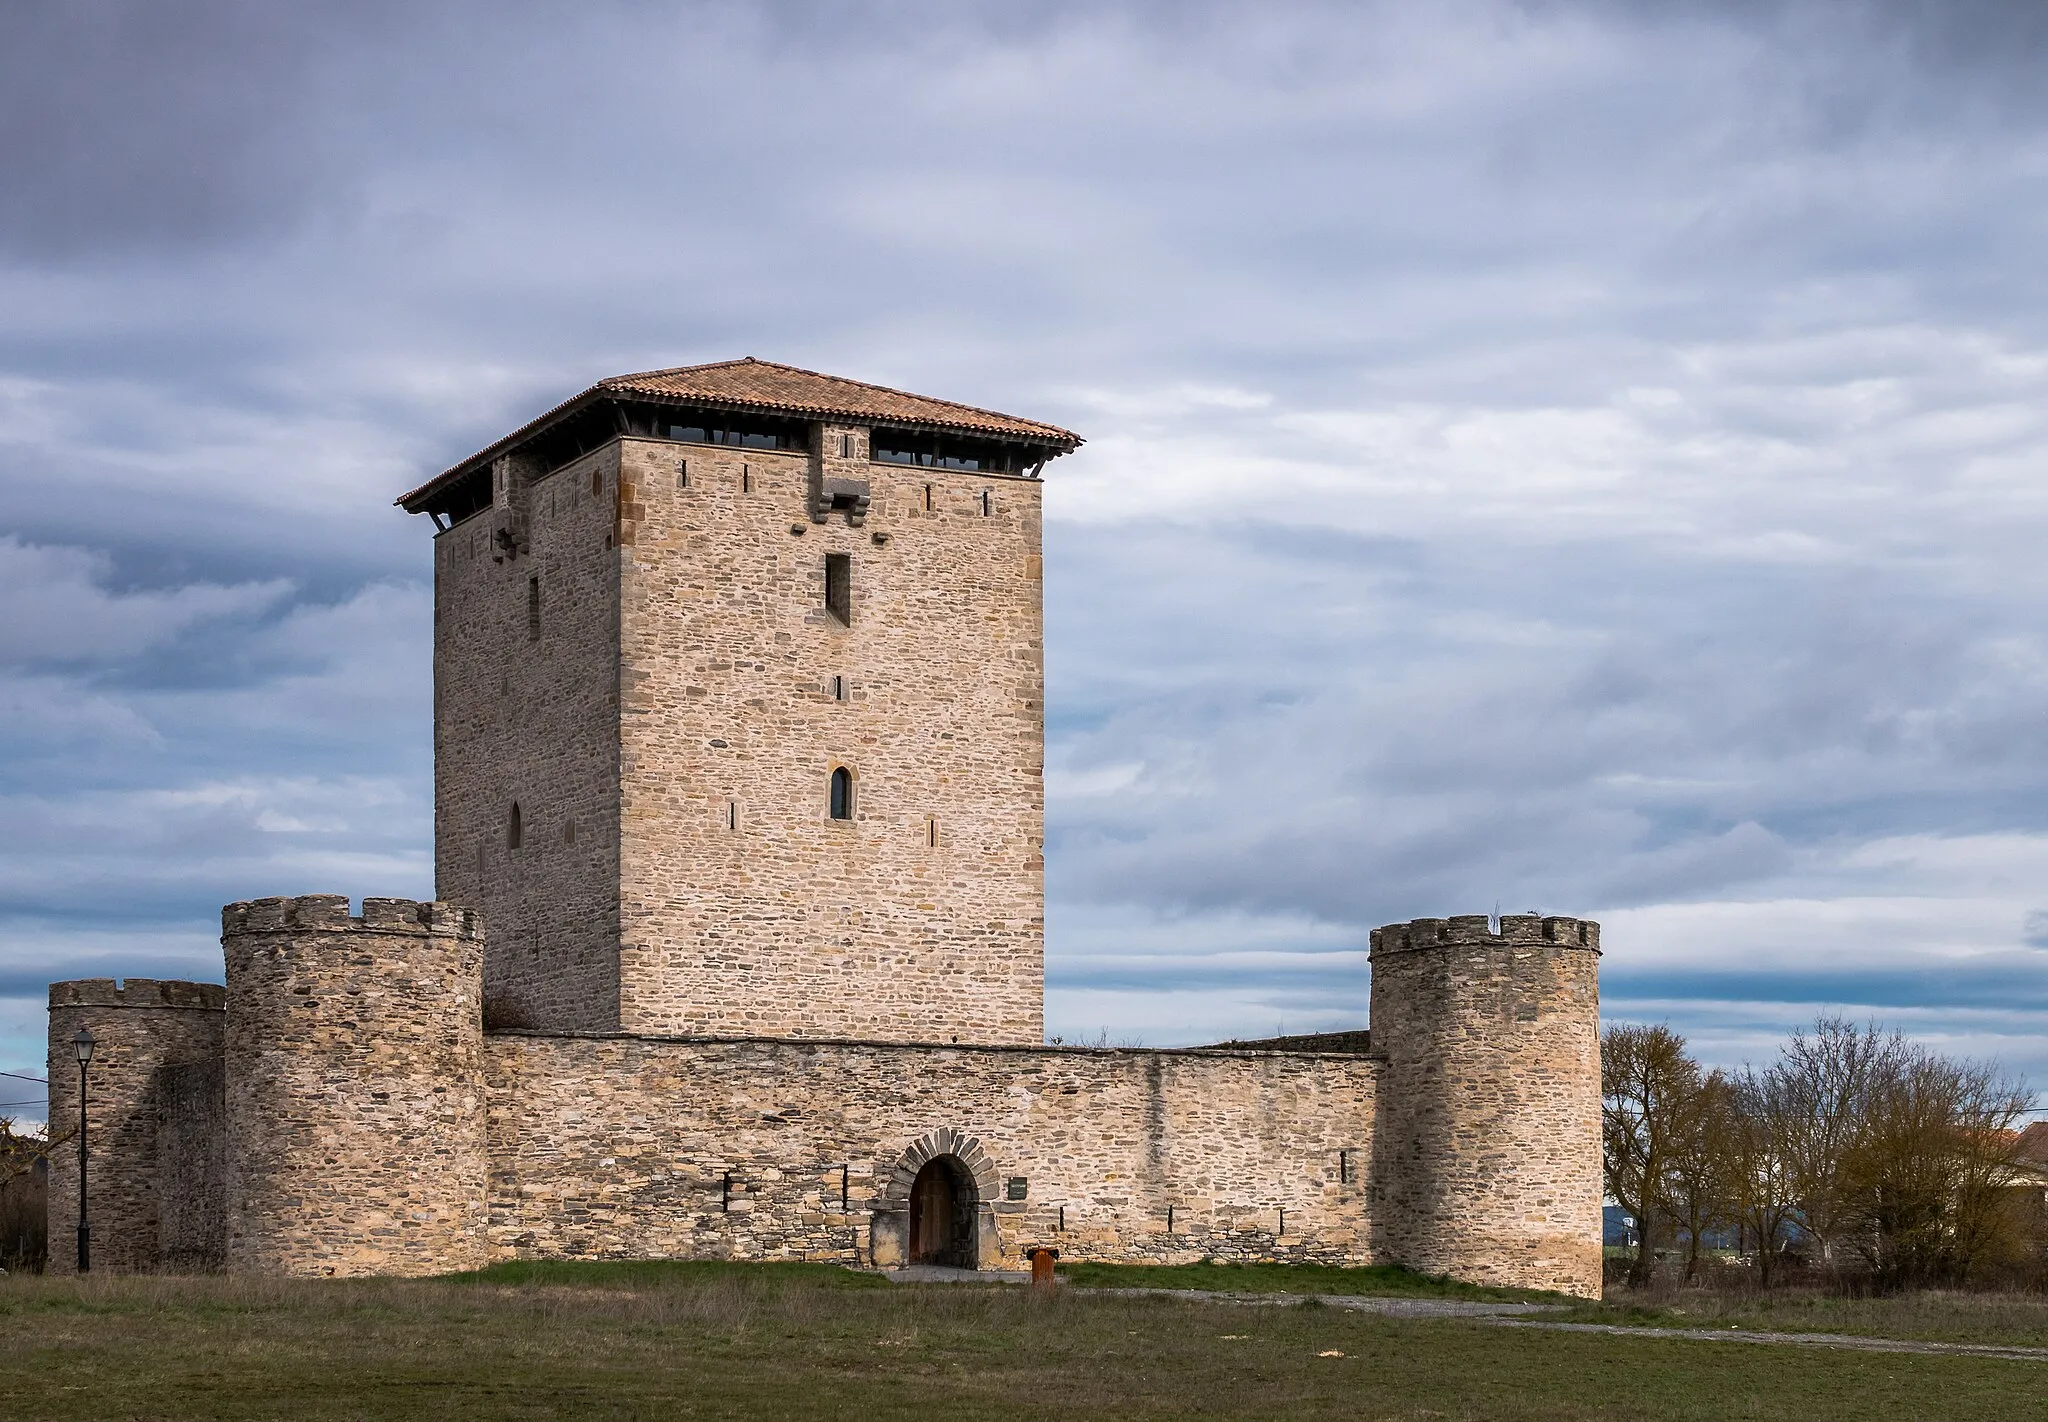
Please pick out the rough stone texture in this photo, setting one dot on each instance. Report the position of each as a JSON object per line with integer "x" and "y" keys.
{"x": 148, "y": 1036}
{"x": 794, "y": 924}
{"x": 679, "y": 707}
{"x": 372, "y": 1127}
{"x": 529, "y": 716}
{"x": 636, "y": 1147}
{"x": 729, "y": 1025}
{"x": 191, "y": 1177}
{"x": 1486, "y": 1153}
{"x": 355, "y": 1091}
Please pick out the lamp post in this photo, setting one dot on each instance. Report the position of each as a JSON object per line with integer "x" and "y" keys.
{"x": 83, "y": 1045}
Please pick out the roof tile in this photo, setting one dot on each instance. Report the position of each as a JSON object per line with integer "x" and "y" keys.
{"x": 765, "y": 385}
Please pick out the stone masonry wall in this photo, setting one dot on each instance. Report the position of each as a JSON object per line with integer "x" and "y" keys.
{"x": 642, "y": 1147}
{"x": 355, "y": 1091}
{"x": 152, "y": 1123}
{"x": 1486, "y": 1155}
{"x": 191, "y": 1175}
{"x": 526, "y": 712}
{"x": 745, "y": 909}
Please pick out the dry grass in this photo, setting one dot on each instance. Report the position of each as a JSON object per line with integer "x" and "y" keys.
{"x": 743, "y": 1342}
{"x": 1379, "y": 1281}
{"x": 1932, "y": 1315}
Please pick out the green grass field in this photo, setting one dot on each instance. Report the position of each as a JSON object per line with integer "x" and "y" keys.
{"x": 811, "y": 1341}
{"x": 2012, "y": 1319}
{"x": 1383, "y": 1281}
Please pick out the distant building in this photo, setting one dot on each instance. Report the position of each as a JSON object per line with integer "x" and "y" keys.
{"x": 739, "y": 817}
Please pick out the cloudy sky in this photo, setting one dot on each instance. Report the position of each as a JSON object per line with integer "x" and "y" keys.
{"x": 1585, "y": 457}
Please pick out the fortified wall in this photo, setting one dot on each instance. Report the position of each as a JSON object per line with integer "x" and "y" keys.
{"x": 362, "y": 1121}
{"x": 739, "y": 734}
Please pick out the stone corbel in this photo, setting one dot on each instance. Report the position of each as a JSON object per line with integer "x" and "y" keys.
{"x": 832, "y": 495}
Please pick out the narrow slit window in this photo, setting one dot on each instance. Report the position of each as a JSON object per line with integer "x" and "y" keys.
{"x": 746, "y": 479}
{"x": 839, "y": 586}
{"x": 931, "y": 832}
{"x": 838, "y": 688}
{"x": 732, "y": 814}
{"x": 840, "y": 800}
{"x": 533, "y": 609}
{"x": 927, "y": 498}
{"x": 846, "y": 446}
{"x": 597, "y": 481}
{"x": 515, "y": 828}
{"x": 682, "y": 473}
{"x": 987, "y": 507}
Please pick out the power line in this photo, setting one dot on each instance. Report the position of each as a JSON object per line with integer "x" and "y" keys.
{"x": 32, "y": 1101}
{"x": 24, "y": 1076}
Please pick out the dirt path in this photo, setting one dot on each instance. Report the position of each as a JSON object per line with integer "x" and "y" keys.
{"x": 1848, "y": 1341}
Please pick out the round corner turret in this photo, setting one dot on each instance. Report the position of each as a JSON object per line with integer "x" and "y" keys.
{"x": 355, "y": 1087}
{"x": 1486, "y": 1151}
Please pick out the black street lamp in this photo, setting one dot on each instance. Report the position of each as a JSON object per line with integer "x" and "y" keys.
{"x": 82, "y": 1044}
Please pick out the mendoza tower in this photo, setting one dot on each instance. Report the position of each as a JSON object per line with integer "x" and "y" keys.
{"x": 739, "y": 710}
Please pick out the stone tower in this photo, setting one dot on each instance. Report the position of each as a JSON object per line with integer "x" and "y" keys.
{"x": 739, "y": 710}
{"x": 355, "y": 1087}
{"x": 1486, "y": 1142}
{"x": 153, "y": 1124}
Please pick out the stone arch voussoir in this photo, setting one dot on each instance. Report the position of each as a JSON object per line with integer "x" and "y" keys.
{"x": 946, "y": 1140}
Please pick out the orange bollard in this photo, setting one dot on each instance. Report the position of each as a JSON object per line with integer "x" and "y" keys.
{"x": 1042, "y": 1259}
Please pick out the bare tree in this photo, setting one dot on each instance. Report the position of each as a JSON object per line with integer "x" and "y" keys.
{"x": 1647, "y": 1083}
{"x": 23, "y": 1196}
{"x": 19, "y": 1151}
{"x": 1755, "y": 1154}
{"x": 1925, "y": 1178}
{"x": 1822, "y": 1087}
{"x": 1695, "y": 1178}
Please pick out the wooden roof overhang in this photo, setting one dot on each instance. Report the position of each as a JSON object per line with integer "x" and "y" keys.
{"x": 750, "y": 386}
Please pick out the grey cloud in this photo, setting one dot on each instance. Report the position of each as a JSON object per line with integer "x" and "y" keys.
{"x": 133, "y": 127}
{"x": 266, "y": 267}
{"x": 1645, "y": 757}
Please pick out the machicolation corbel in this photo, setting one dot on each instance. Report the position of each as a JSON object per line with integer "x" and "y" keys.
{"x": 830, "y": 495}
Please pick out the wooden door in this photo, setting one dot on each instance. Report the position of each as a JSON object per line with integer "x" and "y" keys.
{"x": 931, "y": 1216}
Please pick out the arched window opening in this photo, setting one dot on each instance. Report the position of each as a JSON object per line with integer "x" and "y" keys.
{"x": 515, "y": 829}
{"x": 842, "y": 794}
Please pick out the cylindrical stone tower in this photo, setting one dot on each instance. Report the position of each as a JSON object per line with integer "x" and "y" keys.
{"x": 355, "y": 1087}
{"x": 1486, "y": 1142}
{"x": 153, "y": 1125}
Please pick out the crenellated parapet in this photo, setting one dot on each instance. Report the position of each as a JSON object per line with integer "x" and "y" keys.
{"x": 138, "y": 993}
{"x": 1486, "y": 1144}
{"x": 355, "y": 1087}
{"x": 329, "y": 913}
{"x": 1421, "y": 933}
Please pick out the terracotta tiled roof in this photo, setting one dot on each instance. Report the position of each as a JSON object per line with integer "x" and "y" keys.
{"x": 2033, "y": 1144}
{"x": 764, "y": 385}
{"x": 784, "y": 389}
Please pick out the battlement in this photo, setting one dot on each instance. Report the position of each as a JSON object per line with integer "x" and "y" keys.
{"x": 139, "y": 992}
{"x": 328, "y": 913}
{"x": 1477, "y": 929}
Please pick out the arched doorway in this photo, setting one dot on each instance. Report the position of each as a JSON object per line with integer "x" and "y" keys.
{"x": 942, "y": 1214}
